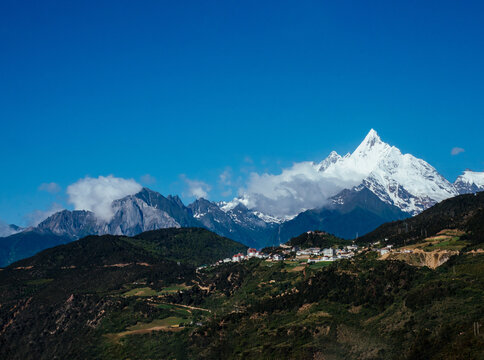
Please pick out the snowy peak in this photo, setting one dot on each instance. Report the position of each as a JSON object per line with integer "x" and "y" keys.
{"x": 470, "y": 182}
{"x": 371, "y": 140}
{"x": 397, "y": 179}
{"x": 371, "y": 151}
{"x": 332, "y": 158}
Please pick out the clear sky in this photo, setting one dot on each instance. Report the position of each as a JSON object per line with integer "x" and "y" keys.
{"x": 184, "y": 91}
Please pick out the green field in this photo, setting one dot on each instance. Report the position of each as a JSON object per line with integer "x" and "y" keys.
{"x": 142, "y": 291}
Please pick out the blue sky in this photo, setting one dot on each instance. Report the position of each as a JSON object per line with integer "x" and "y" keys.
{"x": 184, "y": 91}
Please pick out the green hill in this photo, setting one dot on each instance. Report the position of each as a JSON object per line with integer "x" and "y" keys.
{"x": 464, "y": 212}
{"x": 114, "y": 297}
{"x": 193, "y": 246}
{"x": 317, "y": 238}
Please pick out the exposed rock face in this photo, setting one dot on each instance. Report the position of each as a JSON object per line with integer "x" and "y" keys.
{"x": 133, "y": 214}
{"x": 237, "y": 223}
{"x": 73, "y": 224}
{"x": 431, "y": 259}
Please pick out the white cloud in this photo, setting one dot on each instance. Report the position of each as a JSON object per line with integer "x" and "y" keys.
{"x": 148, "y": 179}
{"x": 296, "y": 189}
{"x": 196, "y": 188}
{"x": 51, "y": 187}
{"x": 97, "y": 194}
{"x": 36, "y": 217}
{"x": 225, "y": 177}
{"x": 456, "y": 151}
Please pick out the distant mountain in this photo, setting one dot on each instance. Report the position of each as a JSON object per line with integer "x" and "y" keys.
{"x": 6, "y": 230}
{"x": 463, "y": 212}
{"x": 237, "y": 223}
{"x": 350, "y": 213}
{"x": 133, "y": 214}
{"x": 470, "y": 182}
{"x": 27, "y": 243}
{"x": 377, "y": 184}
{"x": 70, "y": 224}
{"x": 402, "y": 180}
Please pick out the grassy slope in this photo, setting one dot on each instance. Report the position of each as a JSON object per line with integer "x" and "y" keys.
{"x": 364, "y": 309}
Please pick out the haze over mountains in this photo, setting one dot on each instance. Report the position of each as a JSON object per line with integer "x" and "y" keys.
{"x": 9, "y": 229}
{"x": 346, "y": 195}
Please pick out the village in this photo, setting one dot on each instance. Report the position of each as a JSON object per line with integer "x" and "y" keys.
{"x": 292, "y": 253}
{"x": 311, "y": 255}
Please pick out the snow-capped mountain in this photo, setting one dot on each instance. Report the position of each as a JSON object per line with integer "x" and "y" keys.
{"x": 470, "y": 182}
{"x": 398, "y": 179}
{"x": 235, "y": 222}
{"x": 347, "y": 195}
{"x": 350, "y": 213}
{"x": 402, "y": 180}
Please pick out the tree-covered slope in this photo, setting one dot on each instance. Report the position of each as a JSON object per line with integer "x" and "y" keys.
{"x": 193, "y": 246}
{"x": 190, "y": 245}
{"x": 114, "y": 297}
{"x": 316, "y": 238}
{"x": 463, "y": 212}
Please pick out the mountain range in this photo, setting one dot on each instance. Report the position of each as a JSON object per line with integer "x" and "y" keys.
{"x": 160, "y": 295}
{"x": 380, "y": 184}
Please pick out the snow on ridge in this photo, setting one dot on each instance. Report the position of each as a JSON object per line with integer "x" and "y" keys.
{"x": 471, "y": 177}
{"x": 273, "y": 219}
{"x": 230, "y": 205}
{"x": 399, "y": 179}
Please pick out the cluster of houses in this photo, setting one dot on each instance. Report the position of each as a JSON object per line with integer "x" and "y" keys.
{"x": 385, "y": 250}
{"x": 252, "y": 253}
{"x": 389, "y": 249}
{"x": 329, "y": 254}
{"x": 312, "y": 255}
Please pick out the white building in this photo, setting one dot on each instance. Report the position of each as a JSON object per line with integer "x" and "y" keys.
{"x": 252, "y": 252}
{"x": 329, "y": 252}
{"x": 237, "y": 257}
